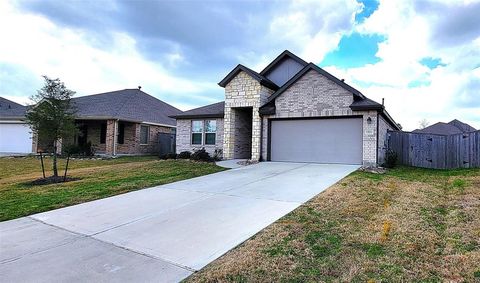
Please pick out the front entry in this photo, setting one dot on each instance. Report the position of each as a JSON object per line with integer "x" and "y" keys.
{"x": 317, "y": 140}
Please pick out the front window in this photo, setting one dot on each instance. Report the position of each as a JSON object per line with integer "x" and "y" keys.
{"x": 144, "y": 134}
{"x": 121, "y": 133}
{"x": 103, "y": 133}
{"x": 197, "y": 132}
{"x": 210, "y": 131}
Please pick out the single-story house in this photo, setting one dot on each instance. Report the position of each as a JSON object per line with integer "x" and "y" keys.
{"x": 15, "y": 136}
{"x": 290, "y": 111}
{"x": 123, "y": 122}
{"x": 451, "y": 128}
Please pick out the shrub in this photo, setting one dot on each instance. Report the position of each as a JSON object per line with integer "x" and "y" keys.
{"x": 168, "y": 156}
{"x": 82, "y": 150}
{"x": 171, "y": 156}
{"x": 218, "y": 154}
{"x": 390, "y": 159}
{"x": 201, "y": 155}
{"x": 184, "y": 155}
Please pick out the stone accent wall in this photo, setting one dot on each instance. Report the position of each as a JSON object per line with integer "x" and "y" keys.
{"x": 383, "y": 128}
{"x": 313, "y": 95}
{"x": 184, "y": 137}
{"x": 243, "y": 91}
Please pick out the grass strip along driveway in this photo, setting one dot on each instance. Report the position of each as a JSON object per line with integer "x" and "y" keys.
{"x": 409, "y": 225}
{"x": 98, "y": 179}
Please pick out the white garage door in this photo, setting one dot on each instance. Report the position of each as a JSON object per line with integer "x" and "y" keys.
{"x": 15, "y": 138}
{"x": 317, "y": 140}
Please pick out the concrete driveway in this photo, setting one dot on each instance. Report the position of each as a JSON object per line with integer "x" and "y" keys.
{"x": 160, "y": 234}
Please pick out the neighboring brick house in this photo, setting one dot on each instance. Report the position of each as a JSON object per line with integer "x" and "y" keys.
{"x": 124, "y": 122}
{"x": 290, "y": 111}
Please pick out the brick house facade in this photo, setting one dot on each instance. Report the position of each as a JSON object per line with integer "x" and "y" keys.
{"x": 289, "y": 89}
{"x": 125, "y": 122}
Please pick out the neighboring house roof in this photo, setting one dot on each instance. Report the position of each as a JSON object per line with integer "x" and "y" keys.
{"x": 11, "y": 110}
{"x": 261, "y": 79}
{"x": 451, "y": 128}
{"x": 215, "y": 110}
{"x": 128, "y": 104}
{"x": 285, "y": 54}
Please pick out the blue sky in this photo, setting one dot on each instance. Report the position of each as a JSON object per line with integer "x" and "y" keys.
{"x": 421, "y": 56}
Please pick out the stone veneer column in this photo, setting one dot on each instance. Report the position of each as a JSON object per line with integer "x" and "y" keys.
{"x": 229, "y": 134}
{"x": 256, "y": 134}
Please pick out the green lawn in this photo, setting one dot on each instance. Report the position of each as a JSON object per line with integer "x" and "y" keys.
{"x": 98, "y": 179}
{"x": 409, "y": 225}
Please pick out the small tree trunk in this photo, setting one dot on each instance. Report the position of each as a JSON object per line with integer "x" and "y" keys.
{"x": 55, "y": 170}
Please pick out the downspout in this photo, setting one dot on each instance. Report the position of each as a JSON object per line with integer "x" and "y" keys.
{"x": 115, "y": 137}
{"x": 378, "y": 127}
{"x": 261, "y": 137}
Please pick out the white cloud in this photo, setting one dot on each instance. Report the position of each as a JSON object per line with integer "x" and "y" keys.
{"x": 408, "y": 35}
{"x": 43, "y": 48}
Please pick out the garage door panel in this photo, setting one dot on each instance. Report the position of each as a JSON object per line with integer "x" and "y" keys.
{"x": 15, "y": 138}
{"x": 317, "y": 140}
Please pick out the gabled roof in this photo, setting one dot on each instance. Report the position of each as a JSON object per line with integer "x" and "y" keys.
{"x": 261, "y": 79}
{"x": 280, "y": 58}
{"x": 11, "y": 110}
{"x": 308, "y": 67}
{"x": 128, "y": 104}
{"x": 462, "y": 126}
{"x": 451, "y": 128}
{"x": 215, "y": 110}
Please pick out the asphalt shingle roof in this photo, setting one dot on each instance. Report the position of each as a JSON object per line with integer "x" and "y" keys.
{"x": 215, "y": 110}
{"x": 451, "y": 128}
{"x": 127, "y": 104}
{"x": 11, "y": 110}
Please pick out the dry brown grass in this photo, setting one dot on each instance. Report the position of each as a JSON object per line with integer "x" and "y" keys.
{"x": 391, "y": 228}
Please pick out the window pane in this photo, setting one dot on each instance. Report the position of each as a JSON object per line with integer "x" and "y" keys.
{"x": 197, "y": 126}
{"x": 121, "y": 133}
{"x": 196, "y": 138}
{"x": 210, "y": 138}
{"x": 210, "y": 126}
{"x": 103, "y": 132}
{"x": 144, "y": 134}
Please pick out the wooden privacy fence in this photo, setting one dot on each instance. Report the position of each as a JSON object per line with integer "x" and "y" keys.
{"x": 436, "y": 151}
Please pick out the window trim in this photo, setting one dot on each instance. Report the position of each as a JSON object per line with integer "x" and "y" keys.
{"x": 192, "y": 132}
{"x": 148, "y": 134}
{"x": 203, "y": 133}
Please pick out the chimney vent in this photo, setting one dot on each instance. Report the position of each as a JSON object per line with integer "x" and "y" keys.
{"x": 383, "y": 101}
{"x": 139, "y": 87}
{"x": 343, "y": 80}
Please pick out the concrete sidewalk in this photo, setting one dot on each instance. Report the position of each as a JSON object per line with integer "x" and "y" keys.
{"x": 160, "y": 234}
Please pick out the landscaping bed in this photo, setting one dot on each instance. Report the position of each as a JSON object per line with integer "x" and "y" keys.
{"x": 92, "y": 179}
{"x": 408, "y": 225}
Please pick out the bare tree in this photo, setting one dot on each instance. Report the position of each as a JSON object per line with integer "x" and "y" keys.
{"x": 423, "y": 123}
